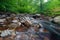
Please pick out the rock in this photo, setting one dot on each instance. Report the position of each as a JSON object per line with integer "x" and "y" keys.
{"x": 6, "y": 33}
{"x": 57, "y": 19}
{"x": 28, "y": 23}
{"x": 8, "y": 20}
{"x": 50, "y": 19}
{"x": 25, "y": 21}
{"x": 14, "y": 21}
{"x": 12, "y": 15}
{"x": 34, "y": 21}
{"x": 2, "y": 20}
{"x": 37, "y": 14}
{"x": 22, "y": 36}
{"x": 7, "y": 38}
{"x": 13, "y": 25}
{"x": 1, "y": 38}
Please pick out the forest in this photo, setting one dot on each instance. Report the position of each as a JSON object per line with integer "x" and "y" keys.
{"x": 48, "y": 7}
{"x": 29, "y": 19}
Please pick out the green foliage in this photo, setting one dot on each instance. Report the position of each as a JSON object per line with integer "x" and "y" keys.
{"x": 8, "y": 5}
{"x": 52, "y": 7}
{"x": 29, "y": 6}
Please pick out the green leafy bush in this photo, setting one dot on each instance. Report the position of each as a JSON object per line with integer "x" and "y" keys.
{"x": 29, "y": 6}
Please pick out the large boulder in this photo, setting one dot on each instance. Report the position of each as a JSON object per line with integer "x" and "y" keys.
{"x": 57, "y": 19}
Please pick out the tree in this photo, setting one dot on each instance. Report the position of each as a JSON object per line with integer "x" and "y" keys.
{"x": 8, "y": 5}
{"x": 52, "y": 7}
{"x": 29, "y": 6}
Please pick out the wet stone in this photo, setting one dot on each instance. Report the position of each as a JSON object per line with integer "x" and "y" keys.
{"x": 27, "y": 27}
{"x": 57, "y": 19}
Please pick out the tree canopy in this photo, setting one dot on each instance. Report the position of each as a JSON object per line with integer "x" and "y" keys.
{"x": 19, "y": 5}
{"x": 52, "y": 7}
